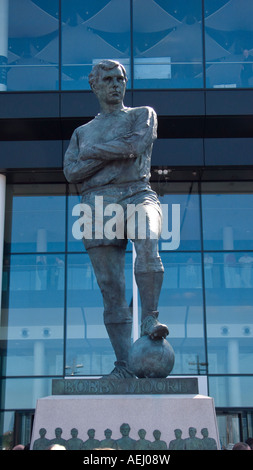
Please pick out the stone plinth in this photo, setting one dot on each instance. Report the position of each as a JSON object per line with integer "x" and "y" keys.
{"x": 163, "y": 412}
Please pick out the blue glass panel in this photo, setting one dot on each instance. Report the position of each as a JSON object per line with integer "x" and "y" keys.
{"x": 33, "y": 314}
{"x": 35, "y": 218}
{"x": 229, "y": 312}
{"x": 181, "y": 308}
{"x": 103, "y": 25}
{"x": 23, "y": 393}
{"x": 181, "y": 216}
{"x": 167, "y": 42}
{"x": 231, "y": 391}
{"x": 88, "y": 348}
{"x": 227, "y": 216}
{"x": 229, "y": 43}
{"x": 33, "y": 46}
{"x": 74, "y": 244}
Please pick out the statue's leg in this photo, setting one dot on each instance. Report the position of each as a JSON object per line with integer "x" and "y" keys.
{"x": 149, "y": 275}
{"x": 109, "y": 263}
{"x": 149, "y": 278}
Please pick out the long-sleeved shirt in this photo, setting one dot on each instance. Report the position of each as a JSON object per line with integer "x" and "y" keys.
{"x": 112, "y": 149}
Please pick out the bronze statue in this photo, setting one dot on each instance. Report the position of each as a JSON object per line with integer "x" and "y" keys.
{"x": 108, "y": 442}
{"x": 125, "y": 442}
{"x": 178, "y": 443}
{"x": 208, "y": 442}
{"x": 109, "y": 159}
{"x": 42, "y": 442}
{"x": 58, "y": 439}
{"x": 91, "y": 442}
{"x": 74, "y": 443}
{"x": 142, "y": 443}
{"x": 192, "y": 442}
{"x": 158, "y": 444}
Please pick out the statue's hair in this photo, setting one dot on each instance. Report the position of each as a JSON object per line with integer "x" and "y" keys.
{"x": 105, "y": 64}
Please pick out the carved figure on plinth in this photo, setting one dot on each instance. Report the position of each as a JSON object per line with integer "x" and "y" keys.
{"x": 74, "y": 443}
{"x": 125, "y": 442}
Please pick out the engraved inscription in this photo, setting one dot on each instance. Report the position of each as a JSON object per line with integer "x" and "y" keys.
{"x": 125, "y": 386}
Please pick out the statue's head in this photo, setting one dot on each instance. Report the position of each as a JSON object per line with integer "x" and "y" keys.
{"x": 108, "y": 433}
{"x": 125, "y": 429}
{"x": 104, "y": 65}
{"x": 108, "y": 82}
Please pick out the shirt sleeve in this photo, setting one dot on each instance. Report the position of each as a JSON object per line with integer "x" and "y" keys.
{"x": 76, "y": 169}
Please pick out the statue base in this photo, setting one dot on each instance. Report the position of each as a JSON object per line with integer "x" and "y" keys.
{"x": 153, "y": 410}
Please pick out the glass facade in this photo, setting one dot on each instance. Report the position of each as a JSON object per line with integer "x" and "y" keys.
{"x": 52, "y": 44}
{"x": 52, "y": 311}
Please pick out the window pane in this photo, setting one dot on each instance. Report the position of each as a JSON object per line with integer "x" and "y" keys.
{"x": 181, "y": 216}
{"x": 167, "y": 44}
{"x": 23, "y": 393}
{"x": 89, "y": 351}
{"x": 33, "y": 315}
{"x": 35, "y": 218}
{"x": 181, "y": 308}
{"x": 102, "y": 24}
{"x": 74, "y": 199}
{"x": 229, "y": 312}
{"x": 231, "y": 391}
{"x": 229, "y": 43}
{"x": 228, "y": 216}
{"x": 32, "y": 51}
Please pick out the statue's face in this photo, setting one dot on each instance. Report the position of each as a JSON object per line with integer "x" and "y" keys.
{"x": 74, "y": 432}
{"x": 110, "y": 86}
{"x": 204, "y": 432}
{"x": 192, "y": 432}
{"x": 125, "y": 429}
{"x": 142, "y": 433}
{"x": 42, "y": 432}
{"x": 58, "y": 432}
{"x": 91, "y": 433}
{"x": 157, "y": 434}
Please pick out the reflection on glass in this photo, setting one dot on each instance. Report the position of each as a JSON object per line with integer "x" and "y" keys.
{"x": 229, "y": 43}
{"x": 29, "y": 391}
{"x": 74, "y": 199}
{"x": 231, "y": 391}
{"x": 33, "y": 45}
{"x": 88, "y": 348}
{"x": 35, "y": 218}
{"x": 33, "y": 315}
{"x": 229, "y": 312}
{"x": 7, "y": 430}
{"x": 103, "y": 25}
{"x": 181, "y": 308}
{"x": 181, "y": 215}
{"x": 167, "y": 44}
{"x": 227, "y": 210}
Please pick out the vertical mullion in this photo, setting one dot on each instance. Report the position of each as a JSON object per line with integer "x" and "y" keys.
{"x": 60, "y": 44}
{"x": 131, "y": 45}
{"x": 203, "y": 276}
{"x": 203, "y": 44}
